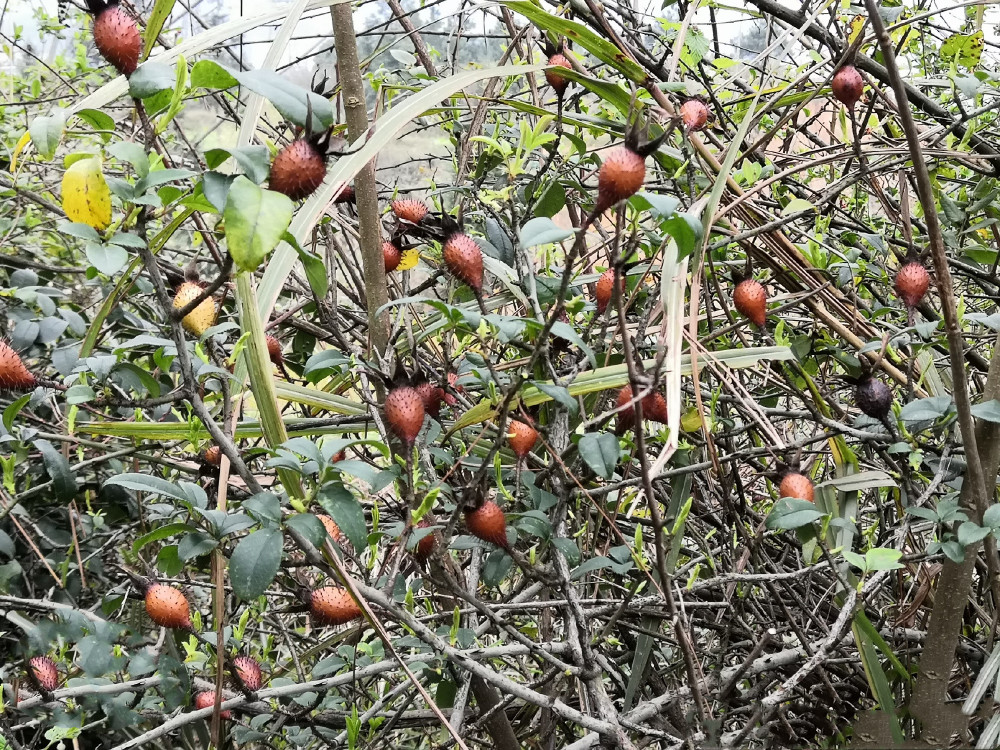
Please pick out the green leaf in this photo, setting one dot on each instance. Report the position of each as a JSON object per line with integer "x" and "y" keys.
{"x": 498, "y": 564}
{"x": 108, "y": 259}
{"x": 255, "y": 219}
{"x": 966, "y": 49}
{"x": 46, "y": 133}
{"x": 925, "y": 409}
{"x": 577, "y": 32}
{"x": 542, "y": 231}
{"x": 686, "y": 230}
{"x": 146, "y": 483}
{"x": 287, "y": 98}
{"x": 600, "y": 451}
{"x": 308, "y": 526}
{"x": 559, "y": 394}
{"x": 858, "y": 561}
{"x": 972, "y": 533}
{"x": 551, "y": 201}
{"x": 163, "y": 532}
{"x": 316, "y": 273}
{"x": 11, "y": 412}
{"x": 883, "y": 558}
{"x": 58, "y": 469}
{"x": 195, "y": 544}
{"x": 791, "y": 513}
{"x": 264, "y": 506}
{"x": 150, "y": 79}
{"x": 255, "y": 563}
{"x": 988, "y": 411}
{"x": 208, "y": 74}
{"x": 346, "y": 512}
{"x": 991, "y": 517}
{"x": 154, "y": 24}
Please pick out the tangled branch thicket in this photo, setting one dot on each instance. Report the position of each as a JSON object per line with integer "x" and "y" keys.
{"x": 479, "y": 444}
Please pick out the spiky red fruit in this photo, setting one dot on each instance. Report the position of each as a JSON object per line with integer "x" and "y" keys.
{"x": 391, "y": 255}
{"x": 333, "y": 605}
{"x": 14, "y": 376}
{"x": 117, "y": 38}
{"x": 206, "y": 699}
{"x": 213, "y": 455}
{"x": 797, "y": 485}
{"x": 425, "y": 546}
{"x": 274, "y": 350}
{"x": 297, "y": 170}
{"x": 751, "y": 300}
{"x": 912, "y": 282}
{"x": 345, "y": 196}
{"x": 620, "y": 177}
{"x": 409, "y": 209}
{"x": 521, "y": 437}
{"x": 694, "y": 113}
{"x": 556, "y": 80}
{"x": 331, "y": 528}
{"x": 168, "y": 607}
{"x": 404, "y": 413}
{"x": 654, "y": 408}
{"x": 44, "y": 673}
{"x": 464, "y": 259}
{"x": 604, "y": 288}
{"x": 432, "y": 396}
{"x": 487, "y": 522}
{"x": 848, "y": 86}
{"x": 248, "y": 674}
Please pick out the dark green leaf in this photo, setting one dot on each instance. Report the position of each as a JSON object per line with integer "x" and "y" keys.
{"x": 600, "y": 451}
{"x": 542, "y": 231}
{"x": 59, "y": 471}
{"x": 151, "y": 78}
{"x": 558, "y": 394}
{"x": 255, "y": 563}
{"x": 925, "y": 409}
{"x": 498, "y": 564}
{"x": 163, "y": 532}
{"x": 146, "y": 483}
{"x": 195, "y": 545}
{"x": 346, "y": 512}
{"x": 791, "y": 513}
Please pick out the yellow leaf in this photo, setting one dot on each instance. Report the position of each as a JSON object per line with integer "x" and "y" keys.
{"x": 85, "y": 194}
{"x": 408, "y": 259}
{"x": 691, "y": 421}
{"x": 854, "y": 28}
{"x": 21, "y": 144}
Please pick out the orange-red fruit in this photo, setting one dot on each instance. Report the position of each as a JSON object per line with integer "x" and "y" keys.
{"x": 694, "y": 113}
{"x": 331, "y": 528}
{"x": 556, "y": 80}
{"x": 797, "y": 485}
{"x": 213, "y": 455}
{"x": 274, "y": 350}
{"x": 432, "y": 396}
{"x": 487, "y": 522}
{"x": 404, "y": 413}
{"x": 14, "y": 376}
{"x": 426, "y": 544}
{"x": 339, "y": 456}
{"x": 333, "y": 605}
{"x": 654, "y": 408}
{"x": 912, "y": 281}
{"x": 391, "y": 254}
{"x": 620, "y": 177}
{"x": 248, "y": 673}
{"x": 44, "y": 673}
{"x": 297, "y": 170}
{"x": 848, "y": 85}
{"x": 604, "y": 288}
{"x": 117, "y": 38}
{"x": 751, "y": 300}
{"x": 168, "y": 607}
{"x": 521, "y": 437}
{"x": 464, "y": 259}
{"x": 409, "y": 209}
{"x": 206, "y": 699}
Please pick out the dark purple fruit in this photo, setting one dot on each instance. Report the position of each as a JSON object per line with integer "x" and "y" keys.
{"x": 873, "y": 397}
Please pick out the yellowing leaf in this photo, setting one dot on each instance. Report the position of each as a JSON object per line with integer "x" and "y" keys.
{"x": 85, "y": 195}
{"x": 22, "y": 142}
{"x": 691, "y": 421}
{"x": 854, "y": 28}
{"x": 408, "y": 259}
{"x": 965, "y": 49}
